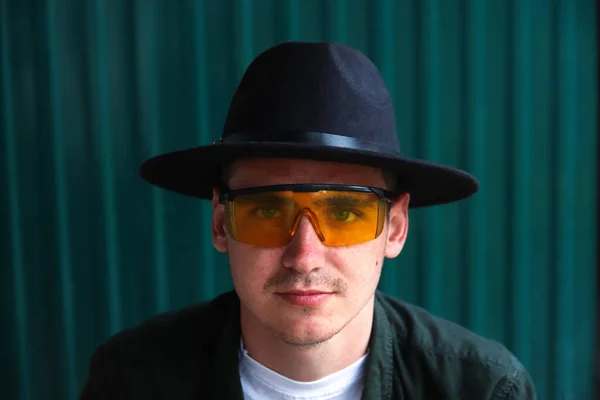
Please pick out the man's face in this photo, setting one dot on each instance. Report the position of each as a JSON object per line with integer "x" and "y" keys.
{"x": 264, "y": 278}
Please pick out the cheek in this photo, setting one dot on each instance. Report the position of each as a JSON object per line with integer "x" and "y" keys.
{"x": 251, "y": 267}
{"x": 360, "y": 266}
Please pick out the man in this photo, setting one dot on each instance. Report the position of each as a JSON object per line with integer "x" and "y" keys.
{"x": 310, "y": 194}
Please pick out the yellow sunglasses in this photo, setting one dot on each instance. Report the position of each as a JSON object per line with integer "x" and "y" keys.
{"x": 341, "y": 215}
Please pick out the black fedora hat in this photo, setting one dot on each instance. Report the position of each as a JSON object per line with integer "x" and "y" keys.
{"x": 320, "y": 101}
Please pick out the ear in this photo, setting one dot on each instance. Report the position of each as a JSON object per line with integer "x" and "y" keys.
{"x": 219, "y": 233}
{"x": 397, "y": 226}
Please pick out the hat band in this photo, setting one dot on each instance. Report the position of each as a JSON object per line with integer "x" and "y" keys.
{"x": 304, "y": 137}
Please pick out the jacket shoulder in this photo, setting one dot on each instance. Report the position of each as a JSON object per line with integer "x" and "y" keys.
{"x": 453, "y": 358}
{"x": 168, "y": 331}
{"x": 162, "y": 349}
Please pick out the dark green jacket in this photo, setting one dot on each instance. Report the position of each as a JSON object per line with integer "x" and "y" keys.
{"x": 193, "y": 354}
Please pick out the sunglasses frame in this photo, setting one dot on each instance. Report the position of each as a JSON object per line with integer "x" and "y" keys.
{"x": 383, "y": 194}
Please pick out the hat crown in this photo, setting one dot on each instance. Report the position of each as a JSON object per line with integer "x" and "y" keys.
{"x": 313, "y": 87}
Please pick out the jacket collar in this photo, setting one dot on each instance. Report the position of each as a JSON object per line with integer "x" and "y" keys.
{"x": 379, "y": 365}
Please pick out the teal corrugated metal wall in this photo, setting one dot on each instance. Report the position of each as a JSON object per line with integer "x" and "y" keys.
{"x": 89, "y": 89}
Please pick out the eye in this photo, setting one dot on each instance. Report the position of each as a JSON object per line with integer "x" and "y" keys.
{"x": 344, "y": 215}
{"x": 268, "y": 212}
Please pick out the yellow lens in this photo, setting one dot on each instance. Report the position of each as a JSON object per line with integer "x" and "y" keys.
{"x": 340, "y": 218}
{"x": 262, "y": 219}
{"x": 348, "y": 218}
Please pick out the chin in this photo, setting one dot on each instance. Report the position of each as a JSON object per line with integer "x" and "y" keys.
{"x": 307, "y": 332}
{"x": 303, "y": 339}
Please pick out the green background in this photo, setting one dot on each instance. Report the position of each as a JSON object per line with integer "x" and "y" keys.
{"x": 89, "y": 89}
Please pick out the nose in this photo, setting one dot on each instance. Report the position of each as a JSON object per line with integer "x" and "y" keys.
{"x": 305, "y": 252}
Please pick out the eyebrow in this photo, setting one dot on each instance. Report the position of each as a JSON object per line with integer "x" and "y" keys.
{"x": 342, "y": 200}
{"x": 270, "y": 199}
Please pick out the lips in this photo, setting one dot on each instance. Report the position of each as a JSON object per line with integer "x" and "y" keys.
{"x": 305, "y": 298}
{"x": 306, "y": 292}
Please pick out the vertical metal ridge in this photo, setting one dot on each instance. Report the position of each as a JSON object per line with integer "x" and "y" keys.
{"x": 208, "y": 285}
{"x": 337, "y": 20}
{"x": 292, "y": 9}
{"x": 385, "y": 16}
{"x": 476, "y": 127}
{"x": 566, "y": 168}
{"x": 62, "y": 201}
{"x": 151, "y": 123}
{"x": 430, "y": 124}
{"x": 108, "y": 191}
{"x": 22, "y": 335}
{"x": 245, "y": 34}
{"x": 521, "y": 194}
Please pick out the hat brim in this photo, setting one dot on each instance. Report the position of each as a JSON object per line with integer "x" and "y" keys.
{"x": 195, "y": 171}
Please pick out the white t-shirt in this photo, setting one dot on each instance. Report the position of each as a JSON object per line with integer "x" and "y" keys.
{"x": 262, "y": 383}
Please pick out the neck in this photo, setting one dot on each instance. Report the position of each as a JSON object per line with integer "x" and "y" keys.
{"x": 308, "y": 363}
